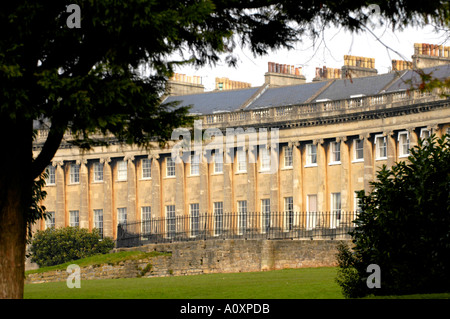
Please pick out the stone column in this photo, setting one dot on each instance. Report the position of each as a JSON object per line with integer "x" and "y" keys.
{"x": 346, "y": 199}
{"x": 322, "y": 198}
{"x": 204, "y": 205}
{"x": 131, "y": 189}
{"x": 413, "y": 138}
{"x": 108, "y": 200}
{"x": 228, "y": 179}
{"x": 368, "y": 161}
{"x": 252, "y": 185}
{"x": 84, "y": 194}
{"x": 156, "y": 186}
{"x": 275, "y": 203}
{"x": 391, "y": 148}
{"x": 60, "y": 180}
{"x": 297, "y": 191}
{"x": 180, "y": 190}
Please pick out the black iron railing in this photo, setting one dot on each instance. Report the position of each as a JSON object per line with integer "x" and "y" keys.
{"x": 249, "y": 225}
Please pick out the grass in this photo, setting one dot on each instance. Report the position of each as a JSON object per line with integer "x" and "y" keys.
{"x": 308, "y": 283}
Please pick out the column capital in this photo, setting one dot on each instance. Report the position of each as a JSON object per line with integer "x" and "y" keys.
{"x": 59, "y": 163}
{"x": 341, "y": 139}
{"x": 364, "y": 136}
{"x": 153, "y": 156}
{"x": 388, "y": 133}
{"x": 318, "y": 141}
{"x": 433, "y": 128}
{"x": 128, "y": 157}
{"x": 81, "y": 161}
{"x": 105, "y": 160}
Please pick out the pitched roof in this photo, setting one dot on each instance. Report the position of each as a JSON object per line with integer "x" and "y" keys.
{"x": 287, "y": 95}
{"x": 411, "y": 79}
{"x": 217, "y": 101}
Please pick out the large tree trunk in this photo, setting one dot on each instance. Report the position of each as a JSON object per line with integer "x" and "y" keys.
{"x": 15, "y": 199}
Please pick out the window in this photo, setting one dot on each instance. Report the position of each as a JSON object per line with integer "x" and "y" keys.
{"x": 50, "y": 220}
{"x": 121, "y": 170}
{"x": 122, "y": 215}
{"x": 146, "y": 168}
{"x": 170, "y": 221}
{"x": 288, "y": 162}
{"x": 98, "y": 221}
{"x": 146, "y": 215}
{"x": 195, "y": 168}
{"x": 265, "y": 215}
{"x": 359, "y": 150}
{"x": 335, "y": 210}
{"x": 218, "y": 218}
{"x": 403, "y": 144}
{"x": 74, "y": 218}
{"x": 242, "y": 161}
{"x": 335, "y": 152}
{"x": 311, "y": 155}
{"x": 288, "y": 213}
{"x": 50, "y": 170}
{"x": 218, "y": 163}
{"x": 170, "y": 167}
{"x": 265, "y": 158}
{"x": 242, "y": 216}
{"x": 424, "y": 133}
{"x": 98, "y": 172}
{"x": 381, "y": 147}
{"x": 194, "y": 213}
{"x": 74, "y": 175}
{"x": 311, "y": 211}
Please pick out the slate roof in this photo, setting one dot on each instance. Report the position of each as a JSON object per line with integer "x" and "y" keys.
{"x": 218, "y": 101}
{"x": 368, "y": 85}
{"x": 411, "y": 77}
{"x": 232, "y": 100}
{"x": 287, "y": 95}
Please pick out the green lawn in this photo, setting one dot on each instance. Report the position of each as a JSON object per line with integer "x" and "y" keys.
{"x": 309, "y": 283}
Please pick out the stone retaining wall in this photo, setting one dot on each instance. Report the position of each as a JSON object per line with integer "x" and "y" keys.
{"x": 210, "y": 256}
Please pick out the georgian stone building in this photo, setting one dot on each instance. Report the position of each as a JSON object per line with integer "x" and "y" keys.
{"x": 332, "y": 135}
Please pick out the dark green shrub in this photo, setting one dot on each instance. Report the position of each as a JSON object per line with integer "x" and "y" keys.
{"x": 404, "y": 227}
{"x": 55, "y": 246}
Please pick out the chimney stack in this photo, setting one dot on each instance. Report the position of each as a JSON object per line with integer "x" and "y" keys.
{"x": 223, "y": 84}
{"x": 181, "y": 84}
{"x": 325, "y": 73}
{"x": 428, "y": 55}
{"x": 283, "y": 74}
{"x": 358, "y": 66}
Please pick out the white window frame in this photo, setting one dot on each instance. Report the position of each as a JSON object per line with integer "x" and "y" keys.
{"x": 311, "y": 212}
{"x": 289, "y": 216}
{"x": 424, "y": 131}
{"x": 356, "y": 149}
{"x": 311, "y": 157}
{"x": 74, "y": 218}
{"x": 378, "y": 148}
{"x": 98, "y": 172}
{"x": 146, "y": 217}
{"x": 288, "y": 157}
{"x": 241, "y": 157}
{"x": 335, "y": 153}
{"x": 218, "y": 163}
{"x": 74, "y": 174}
{"x": 194, "y": 160}
{"x": 402, "y": 144}
{"x": 122, "y": 170}
{"x": 218, "y": 218}
{"x": 264, "y": 154}
{"x": 51, "y": 175}
{"x": 265, "y": 214}
{"x": 50, "y": 220}
{"x": 122, "y": 215}
{"x": 146, "y": 165}
{"x": 171, "y": 226}
{"x": 336, "y": 208}
{"x": 194, "y": 216}
{"x": 170, "y": 167}
{"x": 242, "y": 216}
{"x": 98, "y": 221}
